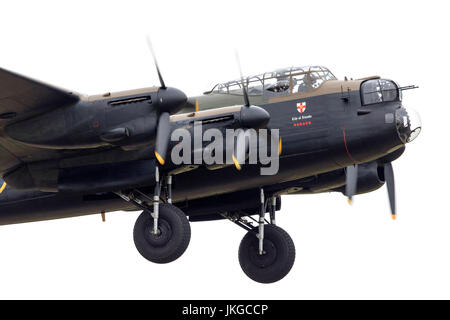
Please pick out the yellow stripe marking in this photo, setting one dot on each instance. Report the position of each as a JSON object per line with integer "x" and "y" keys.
{"x": 160, "y": 159}
{"x": 280, "y": 146}
{"x": 236, "y": 163}
{"x": 3, "y": 187}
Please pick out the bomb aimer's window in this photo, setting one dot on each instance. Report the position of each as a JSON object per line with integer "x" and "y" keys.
{"x": 377, "y": 91}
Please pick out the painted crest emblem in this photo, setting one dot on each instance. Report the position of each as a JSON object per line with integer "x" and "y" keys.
{"x": 301, "y": 107}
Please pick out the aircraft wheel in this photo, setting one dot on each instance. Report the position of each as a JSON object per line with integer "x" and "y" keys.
{"x": 172, "y": 240}
{"x": 276, "y": 261}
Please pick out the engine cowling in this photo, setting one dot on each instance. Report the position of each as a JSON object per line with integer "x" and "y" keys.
{"x": 370, "y": 178}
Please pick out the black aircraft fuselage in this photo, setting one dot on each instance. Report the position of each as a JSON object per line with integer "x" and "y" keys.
{"x": 95, "y": 146}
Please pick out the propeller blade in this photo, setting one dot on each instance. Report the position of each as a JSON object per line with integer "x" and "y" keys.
{"x": 390, "y": 183}
{"x": 162, "y": 137}
{"x": 280, "y": 146}
{"x": 150, "y": 46}
{"x": 240, "y": 149}
{"x": 244, "y": 89}
{"x": 2, "y": 188}
{"x": 351, "y": 182}
{"x": 279, "y": 142}
{"x": 242, "y": 146}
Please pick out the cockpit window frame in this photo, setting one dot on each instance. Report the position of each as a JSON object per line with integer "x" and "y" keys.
{"x": 380, "y": 91}
{"x": 224, "y": 88}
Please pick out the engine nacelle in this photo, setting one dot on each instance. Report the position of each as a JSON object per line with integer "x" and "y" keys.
{"x": 370, "y": 178}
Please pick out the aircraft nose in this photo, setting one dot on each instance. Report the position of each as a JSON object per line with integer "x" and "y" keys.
{"x": 171, "y": 100}
{"x": 408, "y": 124}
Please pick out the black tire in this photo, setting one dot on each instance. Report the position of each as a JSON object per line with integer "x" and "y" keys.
{"x": 174, "y": 237}
{"x": 278, "y": 257}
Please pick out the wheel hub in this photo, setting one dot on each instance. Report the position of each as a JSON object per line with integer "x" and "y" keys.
{"x": 267, "y": 258}
{"x": 162, "y": 237}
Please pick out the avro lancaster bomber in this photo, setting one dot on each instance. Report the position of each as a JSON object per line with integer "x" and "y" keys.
{"x": 63, "y": 154}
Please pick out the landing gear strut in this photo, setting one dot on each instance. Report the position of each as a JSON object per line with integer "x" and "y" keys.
{"x": 162, "y": 231}
{"x": 267, "y": 252}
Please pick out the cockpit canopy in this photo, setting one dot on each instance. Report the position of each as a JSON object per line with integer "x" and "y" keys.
{"x": 278, "y": 82}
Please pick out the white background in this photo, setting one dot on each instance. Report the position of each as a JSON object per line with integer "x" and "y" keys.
{"x": 342, "y": 252}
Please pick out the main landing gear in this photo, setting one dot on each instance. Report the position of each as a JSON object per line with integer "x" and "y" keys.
{"x": 276, "y": 260}
{"x": 267, "y": 252}
{"x": 162, "y": 232}
{"x": 172, "y": 237}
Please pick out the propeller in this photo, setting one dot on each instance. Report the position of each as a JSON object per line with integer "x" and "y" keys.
{"x": 150, "y": 46}
{"x": 240, "y": 148}
{"x": 251, "y": 117}
{"x": 162, "y": 137}
{"x": 244, "y": 89}
{"x": 2, "y": 188}
{"x": 169, "y": 101}
{"x": 352, "y": 184}
{"x": 390, "y": 184}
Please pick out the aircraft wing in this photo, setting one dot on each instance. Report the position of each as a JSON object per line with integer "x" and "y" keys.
{"x": 20, "y": 98}
{"x": 24, "y": 97}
